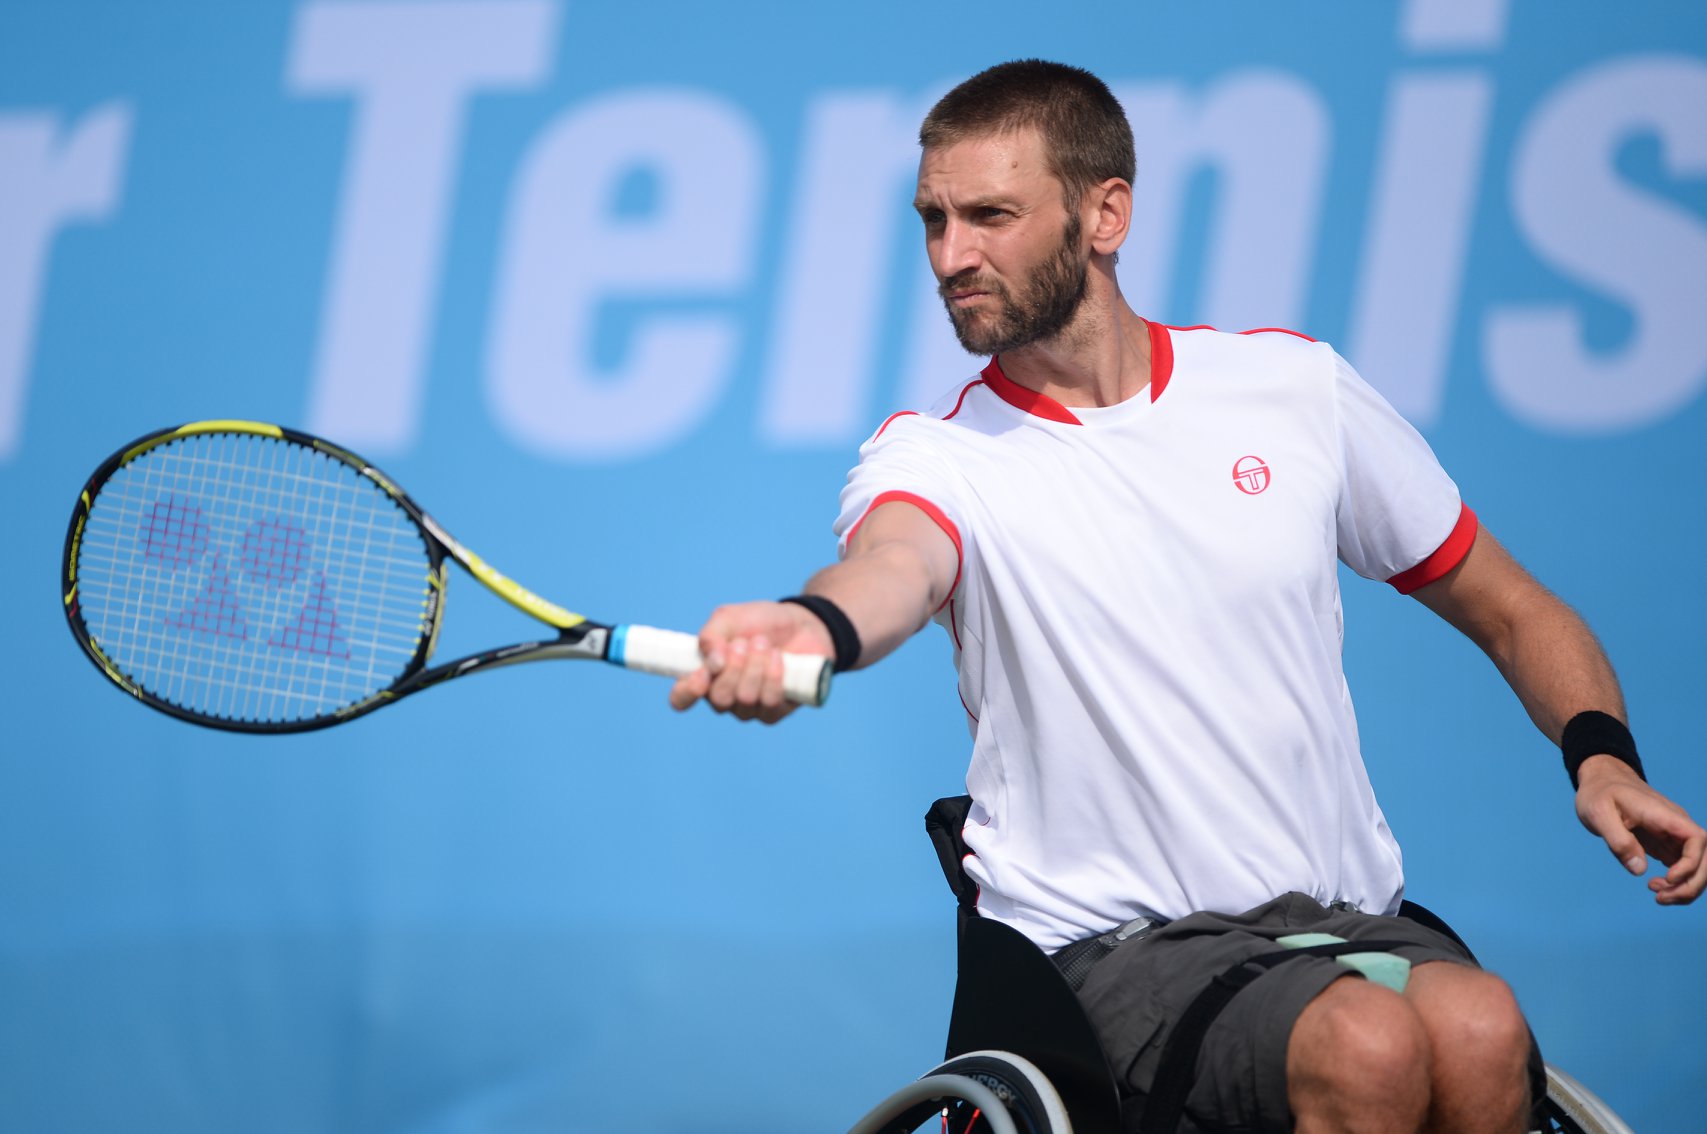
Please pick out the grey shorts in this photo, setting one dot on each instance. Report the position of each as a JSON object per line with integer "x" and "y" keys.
{"x": 1136, "y": 993}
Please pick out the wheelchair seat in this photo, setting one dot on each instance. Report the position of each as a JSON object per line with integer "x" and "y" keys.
{"x": 1009, "y": 996}
{"x": 1019, "y": 1040}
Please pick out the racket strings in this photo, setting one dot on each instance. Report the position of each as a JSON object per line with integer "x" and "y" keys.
{"x": 251, "y": 578}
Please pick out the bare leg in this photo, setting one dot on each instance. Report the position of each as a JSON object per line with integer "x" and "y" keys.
{"x": 1480, "y": 1047}
{"x": 1358, "y": 1060}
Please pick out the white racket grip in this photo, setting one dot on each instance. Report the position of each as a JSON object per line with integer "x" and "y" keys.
{"x": 805, "y": 677}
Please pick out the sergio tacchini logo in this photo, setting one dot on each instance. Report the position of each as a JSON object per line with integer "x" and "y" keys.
{"x": 1251, "y": 475}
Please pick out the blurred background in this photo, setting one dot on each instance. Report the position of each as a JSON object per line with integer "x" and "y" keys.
{"x": 616, "y": 290}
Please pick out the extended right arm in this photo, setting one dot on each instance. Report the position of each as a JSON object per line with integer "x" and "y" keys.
{"x": 899, "y": 568}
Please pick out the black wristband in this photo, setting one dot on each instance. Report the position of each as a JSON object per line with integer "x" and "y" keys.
{"x": 1595, "y": 733}
{"x": 842, "y": 633}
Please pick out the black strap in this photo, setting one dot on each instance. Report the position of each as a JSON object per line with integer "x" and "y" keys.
{"x": 1595, "y": 733}
{"x": 843, "y": 636}
{"x": 1165, "y": 1104}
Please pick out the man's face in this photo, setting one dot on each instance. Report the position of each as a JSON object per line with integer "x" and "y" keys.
{"x": 1004, "y": 247}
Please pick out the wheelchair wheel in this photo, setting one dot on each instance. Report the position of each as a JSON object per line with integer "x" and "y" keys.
{"x": 983, "y": 1092}
{"x": 1029, "y": 1098}
{"x": 1571, "y": 1108}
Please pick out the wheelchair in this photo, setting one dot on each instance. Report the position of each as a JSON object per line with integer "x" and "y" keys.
{"x": 1022, "y": 1057}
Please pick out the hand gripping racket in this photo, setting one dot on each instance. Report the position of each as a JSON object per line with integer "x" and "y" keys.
{"x": 249, "y": 577}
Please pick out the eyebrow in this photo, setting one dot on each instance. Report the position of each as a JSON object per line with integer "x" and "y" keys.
{"x": 920, "y": 204}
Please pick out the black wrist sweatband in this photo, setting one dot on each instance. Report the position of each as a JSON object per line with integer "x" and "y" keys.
{"x": 842, "y": 633}
{"x": 1595, "y": 733}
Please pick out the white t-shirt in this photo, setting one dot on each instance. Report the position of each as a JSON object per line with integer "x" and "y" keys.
{"x": 1147, "y": 625}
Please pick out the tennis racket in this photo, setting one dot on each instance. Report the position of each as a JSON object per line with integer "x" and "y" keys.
{"x": 249, "y": 577}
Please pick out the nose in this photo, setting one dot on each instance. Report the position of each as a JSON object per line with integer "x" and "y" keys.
{"x": 956, "y": 250}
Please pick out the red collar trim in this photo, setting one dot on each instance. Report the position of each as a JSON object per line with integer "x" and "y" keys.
{"x": 1046, "y": 407}
{"x": 1032, "y": 402}
{"x": 1161, "y": 359}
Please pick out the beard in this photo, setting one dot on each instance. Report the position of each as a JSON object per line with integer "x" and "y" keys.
{"x": 1050, "y": 297}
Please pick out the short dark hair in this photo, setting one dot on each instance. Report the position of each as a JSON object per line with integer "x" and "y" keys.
{"x": 1086, "y": 137}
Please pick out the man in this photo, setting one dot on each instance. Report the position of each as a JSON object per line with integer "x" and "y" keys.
{"x": 1130, "y": 532}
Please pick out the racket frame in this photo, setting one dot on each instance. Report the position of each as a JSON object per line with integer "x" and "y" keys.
{"x": 578, "y": 637}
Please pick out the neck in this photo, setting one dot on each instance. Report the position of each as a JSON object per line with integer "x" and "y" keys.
{"x": 1101, "y": 358}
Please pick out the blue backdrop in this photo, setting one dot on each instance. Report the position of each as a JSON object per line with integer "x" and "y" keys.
{"x": 616, "y": 290}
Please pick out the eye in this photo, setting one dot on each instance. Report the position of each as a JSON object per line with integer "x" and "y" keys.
{"x": 932, "y": 218}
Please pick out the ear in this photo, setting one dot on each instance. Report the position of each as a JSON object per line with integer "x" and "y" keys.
{"x": 1109, "y": 214}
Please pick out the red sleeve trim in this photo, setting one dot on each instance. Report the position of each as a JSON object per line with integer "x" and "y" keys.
{"x": 890, "y": 418}
{"x": 1281, "y": 330}
{"x": 937, "y": 516}
{"x": 1447, "y": 556}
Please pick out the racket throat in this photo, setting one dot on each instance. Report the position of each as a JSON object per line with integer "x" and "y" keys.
{"x": 588, "y": 641}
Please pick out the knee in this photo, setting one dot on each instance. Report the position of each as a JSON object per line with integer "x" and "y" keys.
{"x": 1379, "y": 1042}
{"x": 1357, "y": 1049}
{"x": 1472, "y": 1016}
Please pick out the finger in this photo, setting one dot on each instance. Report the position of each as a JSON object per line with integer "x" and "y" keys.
{"x": 1665, "y": 832}
{"x": 713, "y": 643}
{"x": 750, "y": 701}
{"x": 779, "y": 706}
{"x": 1693, "y": 859}
{"x": 1608, "y": 822}
{"x": 1681, "y": 894}
{"x": 1627, "y": 849}
{"x": 726, "y": 674}
{"x": 687, "y": 691}
{"x": 768, "y": 703}
{"x": 1687, "y": 878}
{"x": 770, "y": 694}
{"x": 771, "y": 716}
{"x": 749, "y": 691}
{"x": 727, "y": 625}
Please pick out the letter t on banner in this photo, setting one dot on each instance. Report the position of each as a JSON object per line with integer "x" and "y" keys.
{"x": 411, "y": 68}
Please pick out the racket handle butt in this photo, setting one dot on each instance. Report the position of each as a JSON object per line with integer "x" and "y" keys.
{"x": 671, "y": 653}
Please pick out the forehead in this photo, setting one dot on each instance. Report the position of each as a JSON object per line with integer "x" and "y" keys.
{"x": 1008, "y": 165}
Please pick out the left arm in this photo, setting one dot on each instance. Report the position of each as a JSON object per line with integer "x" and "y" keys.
{"x": 1557, "y": 669}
